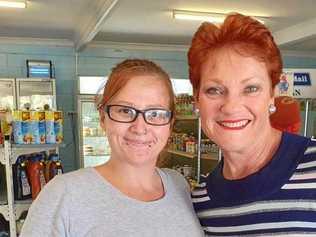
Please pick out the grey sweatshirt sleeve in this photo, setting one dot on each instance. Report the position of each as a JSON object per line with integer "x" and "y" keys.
{"x": 48, "y": 215}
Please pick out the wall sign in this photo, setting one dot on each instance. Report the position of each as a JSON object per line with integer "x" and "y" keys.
{"x": 302, "y": 79}
{"x": 297, "y": 82}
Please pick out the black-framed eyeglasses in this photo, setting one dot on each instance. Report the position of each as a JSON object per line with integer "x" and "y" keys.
{"x": 127, "y": 114}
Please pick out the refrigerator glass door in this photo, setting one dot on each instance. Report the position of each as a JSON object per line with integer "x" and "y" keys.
{"x": 95, "y": 146}
{"x": 36, "y": 92}
{"x": 7, "y": 93}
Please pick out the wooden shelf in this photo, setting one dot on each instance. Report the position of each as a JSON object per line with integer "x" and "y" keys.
{"x": 210, "y": 156}
{"x": 186, "y": 117}
{"x": 207, "y": 156}
{"x": 181, "y": 153}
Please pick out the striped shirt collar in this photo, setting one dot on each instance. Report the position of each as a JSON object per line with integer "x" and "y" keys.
{"x": 267, "y": 180}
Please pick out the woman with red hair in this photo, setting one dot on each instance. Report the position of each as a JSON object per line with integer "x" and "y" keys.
{"x": 265, "y": 183}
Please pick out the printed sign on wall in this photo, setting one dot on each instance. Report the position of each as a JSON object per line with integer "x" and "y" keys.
{"x": 297, "y": 82}
{"x": 285, "y": 86}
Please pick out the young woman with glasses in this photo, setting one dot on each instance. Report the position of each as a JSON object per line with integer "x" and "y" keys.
{"x": 128, "y": 195}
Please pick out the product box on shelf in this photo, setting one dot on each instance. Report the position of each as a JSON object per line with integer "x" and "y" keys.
{"x": 50, "y": 130}
{"x": 58, "y": 126}
{"x": 27, "y": 133}
{"x": 34, "y": 127}
{"x": 42, "y": 126}
{"x": 182, "y": 142}
{"x": 38, "y": 127}
{"x": 17, "y": 126}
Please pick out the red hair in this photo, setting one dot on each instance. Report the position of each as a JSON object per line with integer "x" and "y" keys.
{"x": 245, "y": 35}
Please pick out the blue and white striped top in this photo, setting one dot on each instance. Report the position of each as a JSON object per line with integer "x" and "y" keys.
{"x": 278, "y": 200}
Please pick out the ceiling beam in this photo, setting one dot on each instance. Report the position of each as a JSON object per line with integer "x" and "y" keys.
{"x": 90, "y": 25}
{"x": 296, "y": 33}
{"x": 36, "y": 41}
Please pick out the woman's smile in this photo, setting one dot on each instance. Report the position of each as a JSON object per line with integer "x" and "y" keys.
{"x": 234, "y": 124}
{"x": 138, "y": 143}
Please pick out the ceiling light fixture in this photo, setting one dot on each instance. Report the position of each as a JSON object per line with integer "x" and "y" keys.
{"x": 204, "y": 16}
{"x": 13, "y": 4}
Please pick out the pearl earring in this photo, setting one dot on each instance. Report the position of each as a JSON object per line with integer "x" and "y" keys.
{"x": 197, "y": 111}
{"x": 272, "y": 109}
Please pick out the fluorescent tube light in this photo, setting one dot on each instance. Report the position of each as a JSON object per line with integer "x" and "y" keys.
{"x": 198, "y": 16}
{"x": 13, "y": 4}
{"x": 203, "y": 16}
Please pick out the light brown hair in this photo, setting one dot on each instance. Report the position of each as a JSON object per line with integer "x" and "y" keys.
{"x": 123, "y": 72}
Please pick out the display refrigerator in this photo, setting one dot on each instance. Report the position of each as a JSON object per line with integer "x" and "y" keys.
{"x": 94, "y": 146}
{"x": 8, "y": 94}
{"x": 35, "y": 93}
{"x": 17, "y": 93}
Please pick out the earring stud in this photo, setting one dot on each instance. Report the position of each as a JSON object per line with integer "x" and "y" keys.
{"x": 272, "y": 109}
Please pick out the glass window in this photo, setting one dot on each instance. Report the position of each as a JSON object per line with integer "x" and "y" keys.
{"x": 182, "y": 86}
{"x": 91, "y": 85}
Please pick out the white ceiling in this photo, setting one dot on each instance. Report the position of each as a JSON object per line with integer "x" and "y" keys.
{"x": 293, "y": 22}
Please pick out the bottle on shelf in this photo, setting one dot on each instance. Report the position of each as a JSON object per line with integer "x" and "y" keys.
{"x": 22, "y": 188}
{"x": 35, "y": 172}
{"x": 184, "y": 104}
{"x": 53, "y": 167}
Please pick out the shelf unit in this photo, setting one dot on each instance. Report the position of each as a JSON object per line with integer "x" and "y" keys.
{"x": 205, "y": 156}
{"x": 187, "y": 117}
{"x": 210, "y": 156}
{"x": 12, "y": 209}
{"x": 214, "y": 156}
{"x": 181, "y": 153}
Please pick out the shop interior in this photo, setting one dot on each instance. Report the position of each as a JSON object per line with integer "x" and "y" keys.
{"x": 58, "y": 54}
